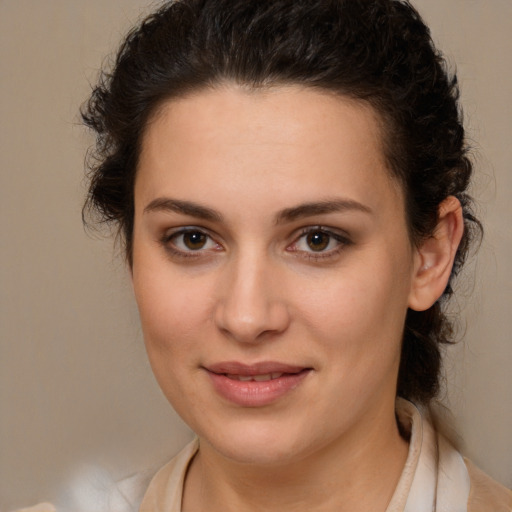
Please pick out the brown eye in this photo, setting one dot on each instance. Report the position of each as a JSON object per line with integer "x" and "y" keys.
{"x": 319, "y": 243}
{"x": 194, "y": 240}
{"x": 317, "y": 240}
{"x": 190, "y": 242}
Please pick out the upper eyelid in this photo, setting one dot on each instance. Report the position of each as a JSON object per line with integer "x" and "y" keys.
{"x": 335, "y": 232}
{"x": 169, "y": 233}
{"x": 297, "y": 232}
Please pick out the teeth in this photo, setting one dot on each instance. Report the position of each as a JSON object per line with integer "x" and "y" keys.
{"x": 261, "y": 378}
{"x": 257, "y": 378}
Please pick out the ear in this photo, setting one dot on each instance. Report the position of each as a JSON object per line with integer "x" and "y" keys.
{"x": 434, "y": 258}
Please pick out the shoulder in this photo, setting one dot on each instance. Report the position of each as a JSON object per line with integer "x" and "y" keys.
{"x": 486, "y": 495}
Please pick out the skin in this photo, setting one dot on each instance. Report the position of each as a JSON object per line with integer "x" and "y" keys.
{"x": 257, "y": 291}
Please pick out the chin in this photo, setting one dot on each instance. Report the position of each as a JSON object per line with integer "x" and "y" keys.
{"x": 260, "y": 443}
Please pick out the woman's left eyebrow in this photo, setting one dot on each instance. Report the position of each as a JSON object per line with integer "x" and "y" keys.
{"x": 319, "y": 208}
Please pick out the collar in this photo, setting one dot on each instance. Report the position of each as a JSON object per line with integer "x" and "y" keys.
{"x": 435, "y": 477}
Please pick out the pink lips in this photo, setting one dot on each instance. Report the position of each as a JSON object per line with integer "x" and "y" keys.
{"x": 255, "y": 385}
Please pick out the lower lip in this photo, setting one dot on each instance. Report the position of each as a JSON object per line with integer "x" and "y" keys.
{"x": 254, "y": 393}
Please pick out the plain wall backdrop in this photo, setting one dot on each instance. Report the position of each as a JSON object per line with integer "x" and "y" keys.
{"x": 75, "y": 386}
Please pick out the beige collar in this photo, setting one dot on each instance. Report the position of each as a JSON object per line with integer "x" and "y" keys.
{"x": 435, "y": 477}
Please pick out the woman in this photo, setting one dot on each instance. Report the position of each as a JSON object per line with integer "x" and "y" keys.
{"x": 290, "y": 182}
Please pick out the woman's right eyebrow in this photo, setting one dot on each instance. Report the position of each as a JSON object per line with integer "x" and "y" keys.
{"x": 184, "y": 207}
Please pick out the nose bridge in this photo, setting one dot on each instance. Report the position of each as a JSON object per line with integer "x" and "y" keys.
{"x": 251, "y": 304}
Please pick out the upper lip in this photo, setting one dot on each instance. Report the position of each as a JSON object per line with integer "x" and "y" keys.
{"x": 261, "y": 368}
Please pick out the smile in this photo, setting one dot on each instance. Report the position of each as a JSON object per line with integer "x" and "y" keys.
{"x": 255, "y": 385}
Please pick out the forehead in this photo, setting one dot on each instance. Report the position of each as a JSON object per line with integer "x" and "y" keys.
{"x": 284, "y": 113}
{"x": 297, "y": 140}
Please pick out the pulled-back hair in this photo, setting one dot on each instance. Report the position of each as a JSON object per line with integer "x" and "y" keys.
{"x": 377, "y": 51}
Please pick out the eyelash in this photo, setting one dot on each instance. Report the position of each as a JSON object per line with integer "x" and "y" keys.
{"x": 342, "y": 240}
{"x": 167, "y": 242}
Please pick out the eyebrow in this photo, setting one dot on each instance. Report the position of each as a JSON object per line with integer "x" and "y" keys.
{"x": 287, "y": 215}
{"x": 319, "y": 208}
{"x": 184, "y": 207}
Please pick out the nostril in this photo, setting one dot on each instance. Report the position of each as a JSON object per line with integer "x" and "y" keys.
{"x": 249, "y": 308}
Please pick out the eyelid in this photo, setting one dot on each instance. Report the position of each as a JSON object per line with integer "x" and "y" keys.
{"x": 340, "y": 236}
{"x": 169, "y": 235}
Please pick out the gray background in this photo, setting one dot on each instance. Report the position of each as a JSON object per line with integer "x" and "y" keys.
{"x": 75, "y": 386}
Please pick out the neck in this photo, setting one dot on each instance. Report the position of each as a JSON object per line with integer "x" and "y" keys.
{"x": 345, "y": 475}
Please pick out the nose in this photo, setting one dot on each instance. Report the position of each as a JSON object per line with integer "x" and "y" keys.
{"x": 251, "y": 305}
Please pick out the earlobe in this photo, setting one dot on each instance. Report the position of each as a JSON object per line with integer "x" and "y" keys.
{"x": 434, "y": 258}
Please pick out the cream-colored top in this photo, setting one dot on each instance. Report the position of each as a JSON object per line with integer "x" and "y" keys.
{"x": 435, "y": 478}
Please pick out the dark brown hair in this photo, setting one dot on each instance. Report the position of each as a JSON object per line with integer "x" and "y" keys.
{"x": 378, "y": 51}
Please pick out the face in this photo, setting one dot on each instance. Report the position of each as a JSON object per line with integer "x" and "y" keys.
{"x": 272, "y": 269}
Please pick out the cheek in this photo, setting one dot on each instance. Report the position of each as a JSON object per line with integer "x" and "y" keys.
{"x": 171, "y": 309}
{"x": 358, "y": 316}
{"x": 356, "y": 300}
{"x": 172, "y": 318}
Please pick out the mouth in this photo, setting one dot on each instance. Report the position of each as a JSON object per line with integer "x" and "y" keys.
{"x": 253, "y": 370}
{"x": 255, "y": 385}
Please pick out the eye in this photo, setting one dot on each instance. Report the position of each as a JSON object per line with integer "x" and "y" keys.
{"x": 189, "y": 240}
{"x": 319, "y": 243}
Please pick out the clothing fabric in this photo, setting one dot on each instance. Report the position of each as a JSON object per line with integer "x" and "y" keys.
{"x": 435, "y": 478}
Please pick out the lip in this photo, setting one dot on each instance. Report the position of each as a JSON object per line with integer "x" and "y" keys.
{"x": 255, "y": 393}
